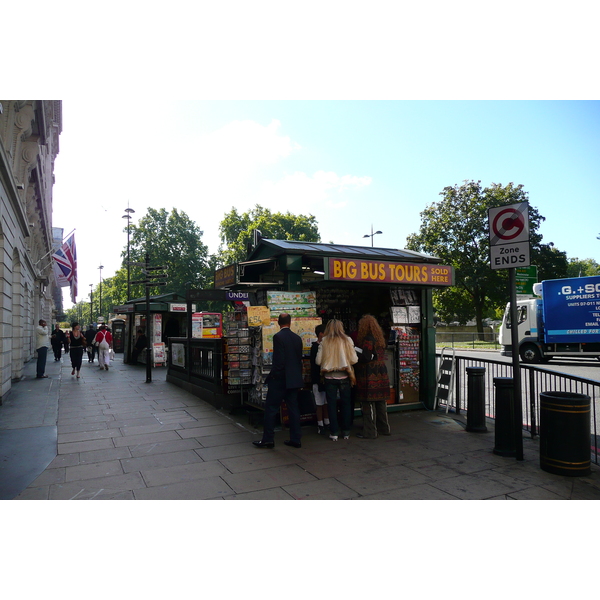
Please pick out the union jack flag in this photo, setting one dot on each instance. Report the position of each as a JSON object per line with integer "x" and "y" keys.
{"x": 65, "y": 266}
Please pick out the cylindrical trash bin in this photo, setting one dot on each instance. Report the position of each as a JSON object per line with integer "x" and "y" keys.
{"x": 565, "y": 433}
{"x": 476, "y": 399}
{"x": 504, "y": 432}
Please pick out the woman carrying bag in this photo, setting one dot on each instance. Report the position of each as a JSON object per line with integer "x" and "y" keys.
{"x": 336, "y": 355}
{"x": 372, "y": 380}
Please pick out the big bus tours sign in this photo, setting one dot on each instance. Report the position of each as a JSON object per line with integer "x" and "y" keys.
{"x": 381, "y": 271}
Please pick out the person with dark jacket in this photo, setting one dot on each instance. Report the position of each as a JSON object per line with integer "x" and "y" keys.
{"x": 141, "y": 342}
{"x": 57, "y": 340}
{"x": 284, "y": 381}
{"x": 317, "y": 387}
{"x": 90, "y": 334}
{"x": 372, "y": 380}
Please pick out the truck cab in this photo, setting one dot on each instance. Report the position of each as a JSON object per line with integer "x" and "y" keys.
{"x": 530, "y": 327}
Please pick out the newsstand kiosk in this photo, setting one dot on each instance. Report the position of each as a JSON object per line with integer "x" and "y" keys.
{"x": 318, "y": 282}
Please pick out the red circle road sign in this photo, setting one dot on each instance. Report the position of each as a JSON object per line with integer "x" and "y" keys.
{"x": 508, "y": 224}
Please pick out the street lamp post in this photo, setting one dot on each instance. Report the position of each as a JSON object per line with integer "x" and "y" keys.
{"x": 128, "y": 217}
{"x": 100, "y": 268}
{"x": 372, "y": 234}
{"x": 91, "y": 304}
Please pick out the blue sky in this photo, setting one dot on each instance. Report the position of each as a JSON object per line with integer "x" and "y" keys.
{"x": 349, "y": 163}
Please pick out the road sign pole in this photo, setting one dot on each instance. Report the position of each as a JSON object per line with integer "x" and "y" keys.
{"x": 149, "y": 345}
{"x": 514, "y": 338}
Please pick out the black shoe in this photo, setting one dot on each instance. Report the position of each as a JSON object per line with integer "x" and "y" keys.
{"x": 292, "y": 444}
{"x": 261, "y": 444}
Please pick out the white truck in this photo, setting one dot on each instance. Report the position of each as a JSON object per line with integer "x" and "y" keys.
{"x": 565, "y": 321}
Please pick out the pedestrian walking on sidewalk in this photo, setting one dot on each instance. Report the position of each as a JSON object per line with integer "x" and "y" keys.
{"x": 372, "y": 380}
{"x": 104, "y": 342}
{"x": 57, "y": 340}
{"x": 78, "y": 344}
{"x": 90, "y": 335}
{"x": 336, "y": 355}
{"x": 284, "y": 381}
{"x": 42, "y": 345}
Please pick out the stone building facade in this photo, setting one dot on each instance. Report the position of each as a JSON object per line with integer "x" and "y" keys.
{"x": 29, "y": 134}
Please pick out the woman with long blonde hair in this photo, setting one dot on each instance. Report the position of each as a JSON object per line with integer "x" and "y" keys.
{"x": 336, "y": 355}
{"x": 372, "y": 380}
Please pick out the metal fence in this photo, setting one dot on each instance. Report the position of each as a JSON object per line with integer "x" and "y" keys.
{"x": 468, "y": 340}
{"x": 534, "y": 380}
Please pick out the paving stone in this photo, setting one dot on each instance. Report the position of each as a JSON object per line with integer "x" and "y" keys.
{"x": 477, "y": 486}
{"x": 211, "y": 430}
{"x": 227, "y": 438}
{"x": 50, "y": 476}
{"x": 271, "y": 494}
{"x": 228, "y": 451}
{"x": 148, "y": 438}
{"x": 268, "y": 458}
{"x": 203, "y": 422}
{"x": 94, "y": 470}
{"x": 423, "y": 491}
{"x": 157, "y": 461}
{"x": 338, "y": 466}
{"x": 322, "y": 489}
{"x": 77, "y": 420}
{"x": 72, "y": 447}
{"x": 182, "y": 473}
{"x": 383, "y": 479}
{"x": 532, "y": 493}
{"x": 92, "y": 488}
{"x": 64, "y": 460}
{"x": 78, "y": 427}
{"x": 432, "y": 469}
{"x": 34, "y": 493}
{"x": 163, "y": 447}
{"x": 84, "y": 436}
{"x": 263, "y": 479}
{"x": 104, "y": 455}
{"x": 199, "y": 489}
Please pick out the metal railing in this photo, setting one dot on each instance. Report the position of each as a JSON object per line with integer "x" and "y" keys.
{"x": 534, "y": 380}
{"x": 471, "y": 340}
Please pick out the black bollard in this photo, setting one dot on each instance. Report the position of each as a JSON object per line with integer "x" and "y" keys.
{"x": 476, "y": 399}
{"x": 504, "y": 436}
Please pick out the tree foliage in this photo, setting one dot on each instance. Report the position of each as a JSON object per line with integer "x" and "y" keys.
{"x": 173, "y": 241}
{"x": 456, "y": 230}
{"x": 236, "y": 231}
{"x": 583, "y": 268}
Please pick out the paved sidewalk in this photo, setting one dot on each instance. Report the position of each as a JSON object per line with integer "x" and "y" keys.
{"x": 110, "y": 435}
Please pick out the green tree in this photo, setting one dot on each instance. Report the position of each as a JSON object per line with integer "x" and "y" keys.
{"x": 582, "y": 268}
{"x": 173, "y": 241}
{"x": 236, "y": 231}
{"x": 456, "y": 230}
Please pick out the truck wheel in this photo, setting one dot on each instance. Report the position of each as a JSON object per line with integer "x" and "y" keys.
{"x": 530, "y": 354}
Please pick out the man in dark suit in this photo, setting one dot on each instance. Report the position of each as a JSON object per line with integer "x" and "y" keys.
{"x": 284, "y": 381}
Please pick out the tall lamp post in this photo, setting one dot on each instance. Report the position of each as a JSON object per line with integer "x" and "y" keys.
{"x": 100, "y": 268}
{"x": 91, "y": 304}
{"x": 372, "y": 234}
{"x": 128, "y": 217}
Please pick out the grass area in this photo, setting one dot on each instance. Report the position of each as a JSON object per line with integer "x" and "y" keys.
{"x": 469, "y": 345}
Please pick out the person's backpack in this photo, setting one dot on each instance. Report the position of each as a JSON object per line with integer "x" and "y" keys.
{"x": 104, "y": 345}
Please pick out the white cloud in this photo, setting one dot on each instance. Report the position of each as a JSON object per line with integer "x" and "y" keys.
{"x": 293, "y": 192}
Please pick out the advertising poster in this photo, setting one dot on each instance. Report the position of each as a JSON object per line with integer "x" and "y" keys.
{"x": 157, "y": 328}
{"x": 258, "y": 315}
{"x": 178, "y": 355}
{"x": 158, "y": 351}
